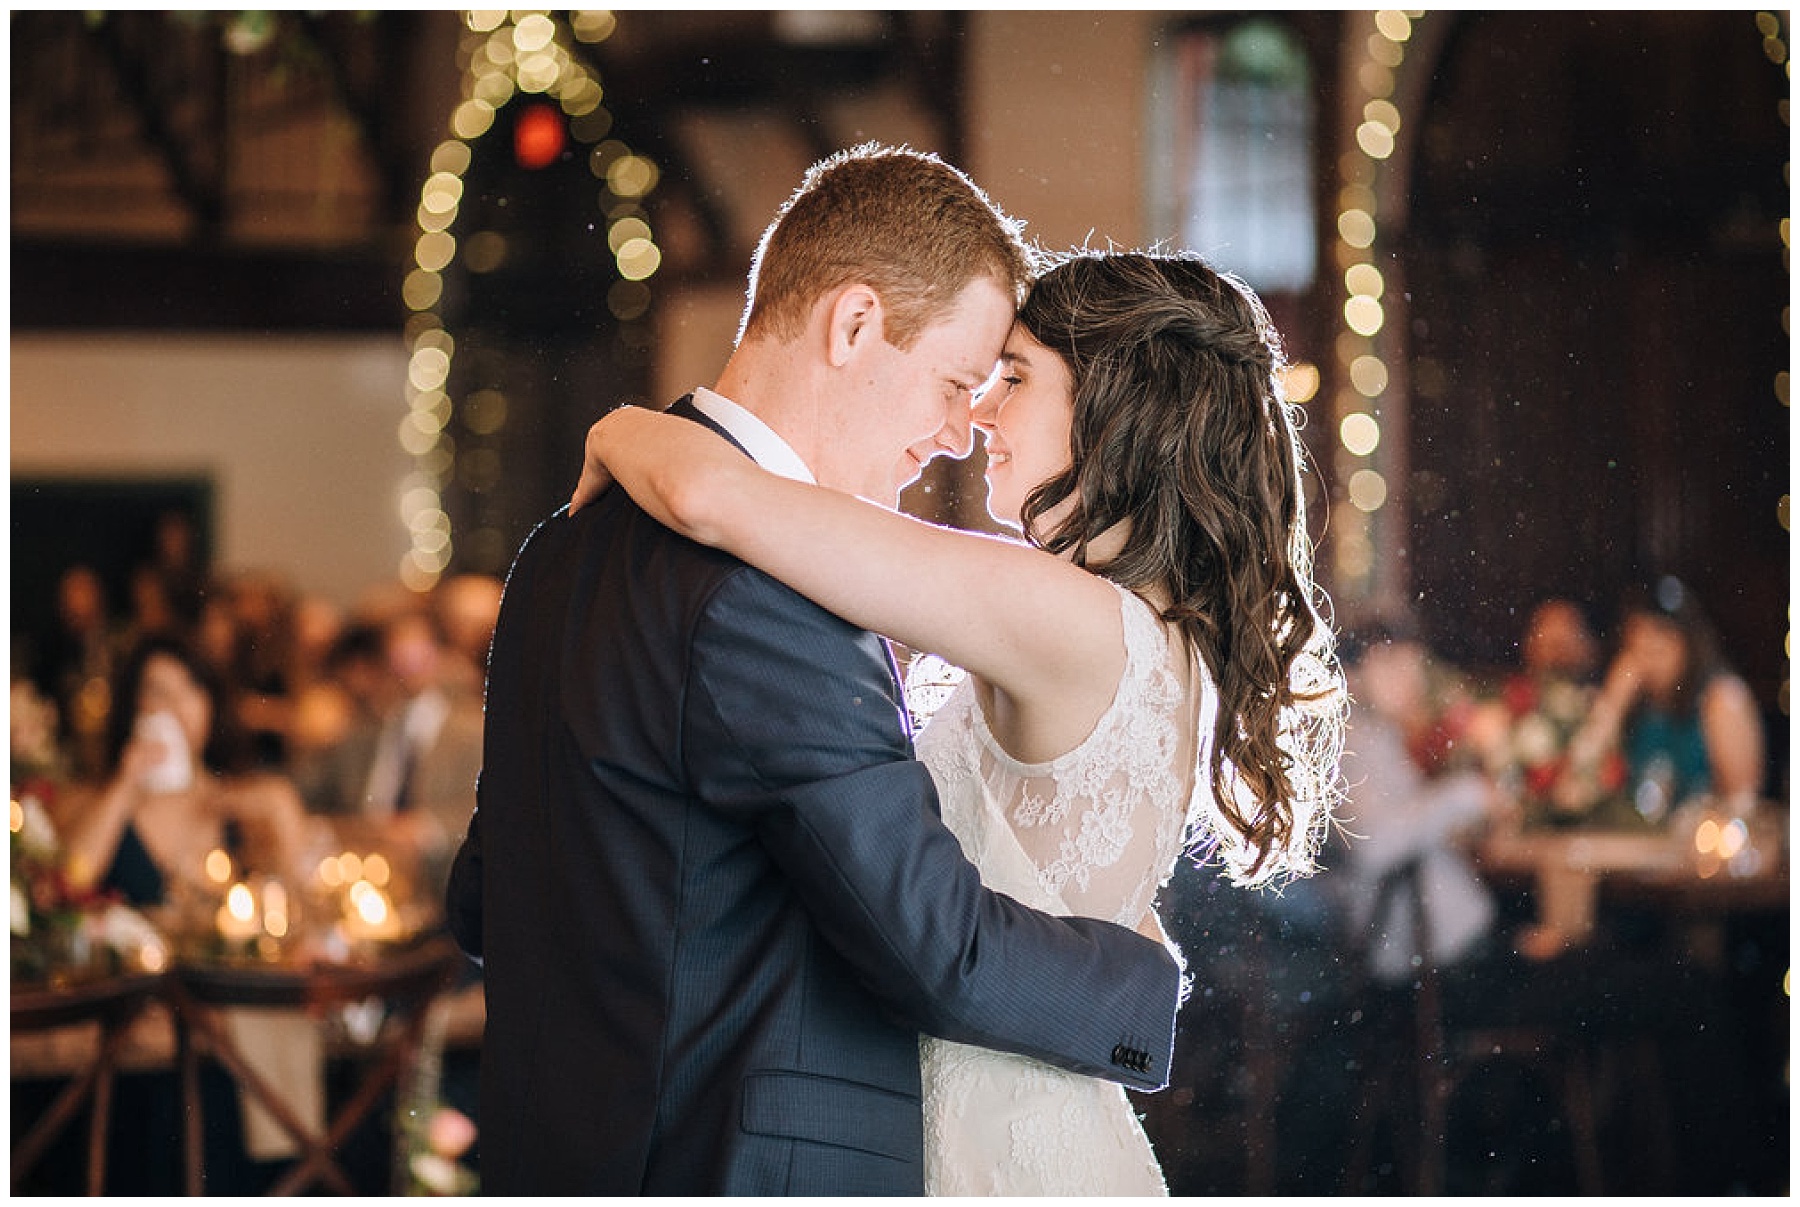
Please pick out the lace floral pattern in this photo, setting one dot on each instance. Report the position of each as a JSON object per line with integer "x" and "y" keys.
{"x": 998, "y": 1124}
{"x": 1095, "y": 832}
{"x": 1102, "y": 825}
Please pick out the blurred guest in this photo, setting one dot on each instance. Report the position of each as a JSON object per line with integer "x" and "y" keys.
{"x": 215, "y": 634}
{"x": 172, "y": 793}
{"x": 316, "y": 625}
{"x": 259, "y": 674}
{"x": 1403, "y": 821}
{"x": 1558, "y": 643}
{"x": 467, "y": 607}
{"x": 74, "y": 667}
{"x": 1686, "y": 722}
{"x": 176, "y": 567}
{"x": 340, "y": 719}
{"x": 409, "y": 760}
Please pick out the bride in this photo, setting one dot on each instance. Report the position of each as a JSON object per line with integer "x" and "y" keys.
{"x": 1147, "y": 673}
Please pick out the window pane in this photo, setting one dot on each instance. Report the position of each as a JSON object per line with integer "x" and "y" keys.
{"x": 1247, "y": 193}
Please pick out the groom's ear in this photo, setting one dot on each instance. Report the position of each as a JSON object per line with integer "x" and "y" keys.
{"x": 855, "y": 316}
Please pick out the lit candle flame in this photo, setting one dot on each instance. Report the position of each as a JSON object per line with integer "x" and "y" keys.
{"x": 218, "y": 866}
{"x": 240, "y": 902}
{"x": 371, "y": 905}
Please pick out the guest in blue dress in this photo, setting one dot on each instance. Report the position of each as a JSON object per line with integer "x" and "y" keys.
{"x": 1685, "y": 720}
{"x": 171, "y": 793}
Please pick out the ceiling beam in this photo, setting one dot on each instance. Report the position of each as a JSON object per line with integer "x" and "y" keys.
{"x": 201, "y": 191}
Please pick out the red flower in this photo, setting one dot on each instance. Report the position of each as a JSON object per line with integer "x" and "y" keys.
{"x": 1520, "y": 695}
{"x": 1540, "y": 779}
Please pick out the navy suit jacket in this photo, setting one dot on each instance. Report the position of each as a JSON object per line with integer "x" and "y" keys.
{"x": 714, "y": 899}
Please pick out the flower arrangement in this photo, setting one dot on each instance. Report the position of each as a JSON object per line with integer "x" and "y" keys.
{"x": 1531, "y": 746}
{"x": 60, "y": 935}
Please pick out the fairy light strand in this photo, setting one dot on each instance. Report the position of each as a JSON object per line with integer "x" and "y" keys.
{"x": 1363, "y": 372}
{"x": 504, "y": 54}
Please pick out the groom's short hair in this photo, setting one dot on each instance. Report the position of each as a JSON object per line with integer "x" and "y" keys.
{"x": 901, "y": 221}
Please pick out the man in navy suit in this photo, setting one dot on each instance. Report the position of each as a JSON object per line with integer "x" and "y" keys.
{"x": 706, "y": 876}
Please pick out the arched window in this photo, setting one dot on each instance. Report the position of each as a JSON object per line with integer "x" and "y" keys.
{"x": 1237, "y": 175}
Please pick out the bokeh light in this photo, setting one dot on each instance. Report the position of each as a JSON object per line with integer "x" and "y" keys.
{"x": 1360, "y": 433}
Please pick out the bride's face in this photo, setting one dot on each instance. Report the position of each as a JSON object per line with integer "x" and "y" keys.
{"x": 1024, "y": 419}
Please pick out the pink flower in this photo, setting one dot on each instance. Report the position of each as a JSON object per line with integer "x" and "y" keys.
{"x": 450, "y": 1132}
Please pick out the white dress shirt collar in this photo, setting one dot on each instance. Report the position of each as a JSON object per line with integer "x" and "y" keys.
{"x": 759, "y": 439}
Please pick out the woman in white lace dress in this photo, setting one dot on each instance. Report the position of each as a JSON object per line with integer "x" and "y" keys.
{"x": 1146, "y": 673}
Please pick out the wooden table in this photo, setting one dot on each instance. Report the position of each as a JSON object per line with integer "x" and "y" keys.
{"x": 113, "y": 1003}
{"x": 1571, "y": 872}
{"x": 407, "y": 982}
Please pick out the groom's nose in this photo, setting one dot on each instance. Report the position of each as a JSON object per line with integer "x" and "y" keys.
{"x": 955, "y": 437}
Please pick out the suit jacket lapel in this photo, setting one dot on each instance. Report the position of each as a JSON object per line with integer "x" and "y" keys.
{"x": 684, "y": 407}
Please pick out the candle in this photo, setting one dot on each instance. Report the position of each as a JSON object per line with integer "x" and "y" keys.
{"x": 275, "y": 909}
{"x": 369, "y": 914}
{"x": 218, "y": 866}
{"x": 236, "y": 918}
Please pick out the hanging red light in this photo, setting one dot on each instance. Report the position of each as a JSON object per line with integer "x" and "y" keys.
{"x": 538, "y": 136}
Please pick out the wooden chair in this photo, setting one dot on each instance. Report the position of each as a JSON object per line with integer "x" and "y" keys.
{"x": 114, "y": 1004}
{"x": 407, "y": 984}
{"x": 1415, "y": 1057}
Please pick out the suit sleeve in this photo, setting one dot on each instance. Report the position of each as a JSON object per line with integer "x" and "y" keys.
{"x": 462, "y": 897}
{"x": 792, "y": 721}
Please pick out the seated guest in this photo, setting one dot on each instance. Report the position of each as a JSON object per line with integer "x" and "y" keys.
{"x": 338, "y": 719}
{"x": 408, "y": 762}
{"x": 1558, "y": 643}
{"x": 1399, "y": 818}
{"x": 466, "y": 607}
{"x": 1686, "y": 722}
{"x": 170, "y": 797}
{"x": 171, "y": 793}
{"x": 1602, "y": 996}
{"x": 75, "y": 662}
{"x": 260, "y": 673}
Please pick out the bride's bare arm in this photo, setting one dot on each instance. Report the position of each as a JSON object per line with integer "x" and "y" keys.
{"x": 1027, "y": 622}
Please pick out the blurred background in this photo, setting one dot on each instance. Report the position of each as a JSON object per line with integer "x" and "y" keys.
{"x": 311, "y": 309}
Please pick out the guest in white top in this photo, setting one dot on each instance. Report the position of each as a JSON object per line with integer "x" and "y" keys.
{"x": 1399, "y": 816}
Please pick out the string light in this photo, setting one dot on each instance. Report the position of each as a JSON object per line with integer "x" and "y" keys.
{"x": 505, "y": 54}
{"x": 1362, "y": 366}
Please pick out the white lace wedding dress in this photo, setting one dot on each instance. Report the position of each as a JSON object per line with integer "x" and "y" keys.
{"x": 1095, "y": 833}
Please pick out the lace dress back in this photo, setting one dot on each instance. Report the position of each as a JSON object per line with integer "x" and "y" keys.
{"x": 1095, "y": 832}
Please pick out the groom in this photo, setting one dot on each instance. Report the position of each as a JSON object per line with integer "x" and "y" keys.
{"x": 707, "y": 878}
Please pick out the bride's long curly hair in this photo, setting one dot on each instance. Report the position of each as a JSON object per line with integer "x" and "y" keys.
{"x": 1180, "y": 431}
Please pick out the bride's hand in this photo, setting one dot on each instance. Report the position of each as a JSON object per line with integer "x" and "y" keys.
{"x": 595, "y": 477}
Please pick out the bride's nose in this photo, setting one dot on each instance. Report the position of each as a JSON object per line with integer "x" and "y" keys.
{"x": 984, "y": 412}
